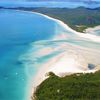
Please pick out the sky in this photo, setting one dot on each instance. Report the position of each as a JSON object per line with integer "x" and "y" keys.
{"x": 50, "y": 3}
{"x": 85, "y": 1}
{"x": 57, "y": 0}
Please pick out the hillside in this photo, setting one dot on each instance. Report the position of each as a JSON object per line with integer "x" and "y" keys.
{"x": 74, "y": 87}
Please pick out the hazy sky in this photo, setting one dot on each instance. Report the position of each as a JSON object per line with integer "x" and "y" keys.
{"x": 55, "y": 3}
{"x": 55, "y": 0}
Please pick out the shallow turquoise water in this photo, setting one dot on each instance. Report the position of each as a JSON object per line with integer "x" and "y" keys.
{"x": 18, "y": 33}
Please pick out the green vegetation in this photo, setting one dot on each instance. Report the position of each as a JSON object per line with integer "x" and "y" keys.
{"x": 81, "y": 28}
{"x": 81, "y": 16}
{"x": 72, "y": 87}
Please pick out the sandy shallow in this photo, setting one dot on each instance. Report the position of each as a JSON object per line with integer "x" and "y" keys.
{"x": 91, "y": 30}
{"x": 74, "y": 60}
{"x": 70, "y": 59}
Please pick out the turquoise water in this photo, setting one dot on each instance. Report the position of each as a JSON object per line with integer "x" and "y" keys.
{"x": 19, "y": 33}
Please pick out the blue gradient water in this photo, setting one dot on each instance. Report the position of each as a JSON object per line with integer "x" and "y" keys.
{"x": 19, "y": 32}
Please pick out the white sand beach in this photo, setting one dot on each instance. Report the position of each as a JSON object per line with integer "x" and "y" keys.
{"x": 74, "y": 58}
{"x": 90, "y": 29}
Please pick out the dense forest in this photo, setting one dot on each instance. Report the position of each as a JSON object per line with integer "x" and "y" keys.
{"x": 72, "y": 87}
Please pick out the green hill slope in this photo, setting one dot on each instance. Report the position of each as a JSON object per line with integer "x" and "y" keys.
{"x": 73, "y": 87}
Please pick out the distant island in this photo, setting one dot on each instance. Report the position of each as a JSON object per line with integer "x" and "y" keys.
{"x": 78, "y": 19}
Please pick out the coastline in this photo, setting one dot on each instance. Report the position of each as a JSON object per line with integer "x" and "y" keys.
{"x": 61, "y": 58}
{"x": 92, "y": 29}
{"x": 87, "y": 36}
{"x": 41, "y": 75}
{"x": 57, "y": 64}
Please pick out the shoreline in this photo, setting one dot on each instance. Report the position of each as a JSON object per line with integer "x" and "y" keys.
{"x": 75, "y": 66}
{"x": 87, "y": 36}
{"x": 61, "y": 58}
{"x": 92, "y": 29}
{"x": 41, "y": 74}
